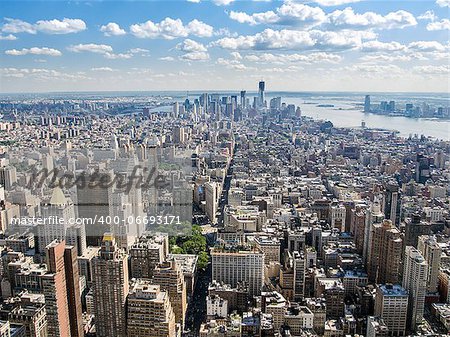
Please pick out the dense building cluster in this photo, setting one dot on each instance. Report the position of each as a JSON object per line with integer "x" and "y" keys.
{"x": 312, "y": 230}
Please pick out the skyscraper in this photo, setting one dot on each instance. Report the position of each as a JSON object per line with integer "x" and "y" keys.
{"x": 391, "y": 304}
{"x": 149, "y": 312}
{"x": 110, "y": 287}
{"x": 415, "y": 282}
{"x": 385, "y": 251}
{"x": 261, "y": 96}
{"x": 170, "y": 277}
{"x": 431, "y": 251}
{"x": 367, "y": 103}
{"x": 56, "y": 215}
{"x": 243, "y": 101}
{"x": 55, "y": 291}
{"x": 73, "y": 291}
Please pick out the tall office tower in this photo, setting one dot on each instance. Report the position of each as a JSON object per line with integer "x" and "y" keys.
{"x": 76, "y": 236}
{"x": 385, "y": 253}
{"x": 359, "y": 218}
{"x": 204, "y": 101}
{"x": 56, "y": 215}
{"x": 175, "y": 109}
{"x": 431, "y": 251}
{"x": 367, "y": 103}
{"x": 392, "y": 202}
{"x": 8, "y": 177}
{"x": 110, "y": 288}
{"x": 146, "y": 254}
{"x": 211, "y": 201}
{"x": 170, "y": 277}
{"x": 73, "y": 291}
{"x": 93, "y": 204}
{"x": 178, "y": 135}
{"x": 415, "y": 282}
{"x": 338, "y": 214}
{"x": 243, "y": 102}
{"x": 261, "y": 96}
{"x": 120, "y": 208}
{"x": 55, "y": 291}
{"x": 149, "y": 312}
{"x": 232, "y": 266}
{"x": 391, "y": 304}
{"x": 375, "y": 216}
{"x": 415, "y": 227}
{"x": 299, "y": 275}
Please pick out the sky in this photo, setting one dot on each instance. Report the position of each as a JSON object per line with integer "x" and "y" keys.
{"x": 322, "y": 45}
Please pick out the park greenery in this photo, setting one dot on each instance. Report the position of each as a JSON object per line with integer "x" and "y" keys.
{"x": 195, "y": 243}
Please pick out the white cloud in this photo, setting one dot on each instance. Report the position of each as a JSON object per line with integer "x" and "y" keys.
{"x": 34, "y": 51}
{"x": 444, "y": 24}
{"x": 428, "y": 15}
{"x": 42, "y": 74}
{"x": 233, "y": 64}
{"x": 55, "y": 26}
{"x": 388, "y": 58}
{"x": 107, "y": 69}
{"x": 290, "y": 13}
{"x": 386, "y": 69}
{"x": 65, "y": 26}
{"x": 18, "y": 26}
{"x": 92, "y": 48}
{"x": 335, "y": 2}
{"x": 194, "y": 51}
{"x": 374, "y": 46}
{"x": 8, "y": 37}
{"x": 426, "y": 46}
{"x": 107, "y": 51}
{"x": 166, "y": 58}
{"x": 194, "y": 1}
{"x": 199, "y": 28}
{"x": 195, "y": 56}
{"x": 433, "y": 70}
{"x": 288, "y": 58}
{"x": 189, "y": 45}
{"x": 297, "y": 40}
{"x": 112, "y": 29}
{"x": 120, "y": 56}
{"x": 223, "y": 2}
{"x": 347, "y": 18}
{"x": 443, "y": 3}
{"x": 170, "y": 29}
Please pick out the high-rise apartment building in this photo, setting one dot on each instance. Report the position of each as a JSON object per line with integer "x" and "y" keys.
{"x": 233, "y": 266}
{"x": 146, "y": 254}
{"x": 110, "y": 288}
{"x": 431, "y": 251}
{"x": 391, "y": 304}
{"x": 170, "y": 277}
{"x": 55, "y": 291}
{"x": 415, "y": 282}
{"x": 385, "y": 252}
{"x": 149, "y": 312}
{"x": 73, "y": 291}
{"x": 56, "y": 217}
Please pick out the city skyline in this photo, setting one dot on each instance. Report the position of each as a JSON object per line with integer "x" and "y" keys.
{"x": 339, "y": 45}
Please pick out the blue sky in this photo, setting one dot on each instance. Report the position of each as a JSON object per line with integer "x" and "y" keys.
{"x": 326, "y": 45}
